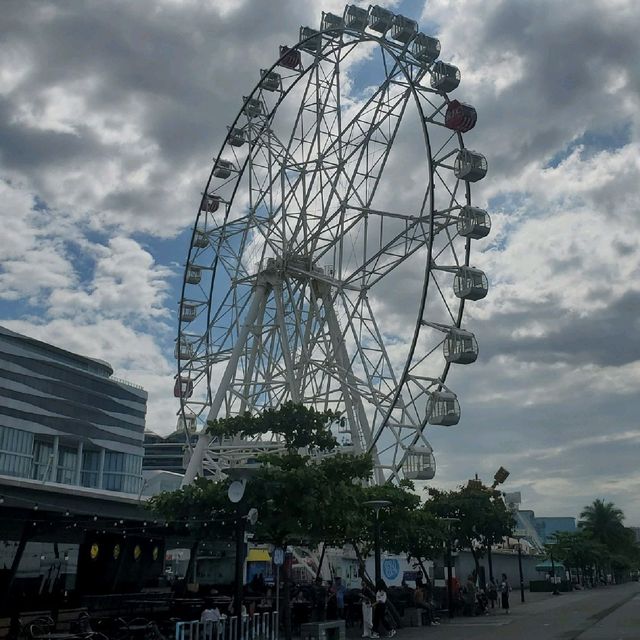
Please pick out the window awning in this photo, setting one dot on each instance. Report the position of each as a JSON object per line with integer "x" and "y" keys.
{"x": 258, "y": 555}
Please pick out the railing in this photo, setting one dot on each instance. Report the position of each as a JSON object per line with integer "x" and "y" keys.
{"x": 259, "y": 626}
{"x": 126, "y": 382}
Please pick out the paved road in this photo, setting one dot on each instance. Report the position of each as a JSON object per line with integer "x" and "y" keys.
{"x": 609, "y": 613}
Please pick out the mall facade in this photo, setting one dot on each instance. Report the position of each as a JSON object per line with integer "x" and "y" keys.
{"x": 64, "y": 418}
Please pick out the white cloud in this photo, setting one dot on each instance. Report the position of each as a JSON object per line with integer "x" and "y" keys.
{"x": 111, "y": 117}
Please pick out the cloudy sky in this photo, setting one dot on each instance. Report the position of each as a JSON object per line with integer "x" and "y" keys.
{"x": 110, "y": 113}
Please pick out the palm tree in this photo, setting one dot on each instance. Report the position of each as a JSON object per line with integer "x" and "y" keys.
{"x": 602, "y": 521}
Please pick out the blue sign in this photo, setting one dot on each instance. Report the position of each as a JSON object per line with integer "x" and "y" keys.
{"x": 391, "y": 568}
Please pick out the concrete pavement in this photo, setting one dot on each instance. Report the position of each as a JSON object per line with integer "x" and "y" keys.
{"x": 606, "y": 613}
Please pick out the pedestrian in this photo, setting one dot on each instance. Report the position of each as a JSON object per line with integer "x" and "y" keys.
{"x": 209, "y": 619}
{"x": 380, "y": 623}
{"x": 340, "y": 590}
{"x": 367, "y": 619}
{"x": 493, "y": 593}
{"x": 469, "y": 596}
{"x": 505, "y": 588}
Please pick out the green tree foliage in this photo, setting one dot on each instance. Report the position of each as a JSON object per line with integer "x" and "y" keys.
{"x": 603, "y": 522}
{"x": 482, "y": 516}
{"x": 299, "y": 426}
{"x": 601, "y": 541}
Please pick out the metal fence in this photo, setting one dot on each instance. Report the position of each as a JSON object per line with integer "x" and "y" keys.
{"x": 260, "y": 626}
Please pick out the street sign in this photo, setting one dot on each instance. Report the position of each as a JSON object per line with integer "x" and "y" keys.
{"x": 278, "y": 556}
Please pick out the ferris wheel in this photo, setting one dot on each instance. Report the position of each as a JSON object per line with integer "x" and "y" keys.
{"x": 329, "y": 262}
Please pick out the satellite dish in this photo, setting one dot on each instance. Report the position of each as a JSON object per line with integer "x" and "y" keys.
{"x": 236, "y": 490}
{"x": 252, "y": 516}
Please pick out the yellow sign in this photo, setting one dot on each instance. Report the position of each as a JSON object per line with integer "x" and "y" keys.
{"x": 137, "y": 552}
{"x": 116, "y": 551}
{"x": 94, "y": 551}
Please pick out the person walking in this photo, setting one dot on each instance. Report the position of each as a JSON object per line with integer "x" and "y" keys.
{"x": 505, "y": 588}
{"x": 492, "y": 590}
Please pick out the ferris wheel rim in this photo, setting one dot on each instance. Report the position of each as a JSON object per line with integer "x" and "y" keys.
{"x": 392, "y": 50}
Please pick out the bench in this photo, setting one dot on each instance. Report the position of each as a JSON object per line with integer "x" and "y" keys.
{"x": 67, "y": 617}
{"x": 323, "y": 630}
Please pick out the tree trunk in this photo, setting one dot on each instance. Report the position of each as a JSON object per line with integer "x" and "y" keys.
{"x": 286, "y": 598}
{"x": 476, "y": 561}
{"x": 190, "y": 576}
{"x": 12, "y": 604}
{"x": 319, "y": 571}
{"x": 362, "y": 569}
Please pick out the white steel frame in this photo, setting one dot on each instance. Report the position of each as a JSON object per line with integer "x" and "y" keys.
{"x": 297, "y": 251}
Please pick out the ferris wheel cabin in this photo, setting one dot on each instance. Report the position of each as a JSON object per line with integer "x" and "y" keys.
{"x": 425, "y": 49}
{"x": 444, "y": 77}
{"x": 444, "y": 409}
{"x": 403, "y": 29}
{"x": 460, "y": 347}
{"x": 470, "y": 283}
{"x": 310, "y": 39}
{"x": 356, "y": 18}
{"x": 236, "y": 137}
{"x": 194, "y": 274}
{"x": 271, "y": 81}
{"x": 460, "y": 117}
{"x": 380, "y": 19}
{"x": 473, "y": 222}
{"x": 331, "y": 22}
{"x": 200, "y": 239}
{"x": 183, "y": 349}
{"x": 189, "y": 312}
{"x": 289, "y": 58}
{"x": 223, "y": 169}
{"x": 210, "y": 204}
{"x": 252, "y": 107}
{"x": 420, "y": 464}
{"x": 470, "y": 165}
{"x": 183, "y": 387}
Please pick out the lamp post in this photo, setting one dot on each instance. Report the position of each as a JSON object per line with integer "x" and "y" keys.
{"x": 235, "y": 494}
{"x": 519, "y": 539}
{"x": 555, "y": 591}
{"x": 449, "y": 522}
{"x": 376, "y": 505}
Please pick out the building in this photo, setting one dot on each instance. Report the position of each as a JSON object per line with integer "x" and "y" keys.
{"x": 165, "y": 453}
{"x": 547, "y": 526}
{"x": 65, "y": 419}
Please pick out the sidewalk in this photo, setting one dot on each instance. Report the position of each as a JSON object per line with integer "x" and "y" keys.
{"x": 593, "y": 614}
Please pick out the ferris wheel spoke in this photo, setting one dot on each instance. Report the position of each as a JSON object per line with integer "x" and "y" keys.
{"x": 296, "y": 243}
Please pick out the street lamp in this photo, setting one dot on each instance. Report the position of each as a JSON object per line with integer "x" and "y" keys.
{"x": 449, "y": 522}
{"x": 376, "y": 505}
{"x": 555, "y": 591}
{"x": 235, "y": 494}
{"x": 519, "y": 539}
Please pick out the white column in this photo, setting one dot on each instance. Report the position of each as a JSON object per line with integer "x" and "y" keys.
{"x": 79, "y": 463}
{"x": 197, "y": 456}
{"x": 284, "y": 343}
{"x": 101, "y": 470}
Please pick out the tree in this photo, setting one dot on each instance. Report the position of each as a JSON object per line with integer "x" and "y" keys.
{"x": 482, "y": 515}
{"x": 299, "y": 426}
{"x": 301, "y": 498}
{"x": 603, "y": 522}
{"x": 577, "y": 550}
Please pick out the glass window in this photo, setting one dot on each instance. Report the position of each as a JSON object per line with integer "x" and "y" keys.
{"x": 42, "y": 460}
{"x": 122, "y": 472}
{"x": 90, "y": 468}
{"x": 15, "y": 452}
{"x": 67, "y": 464}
